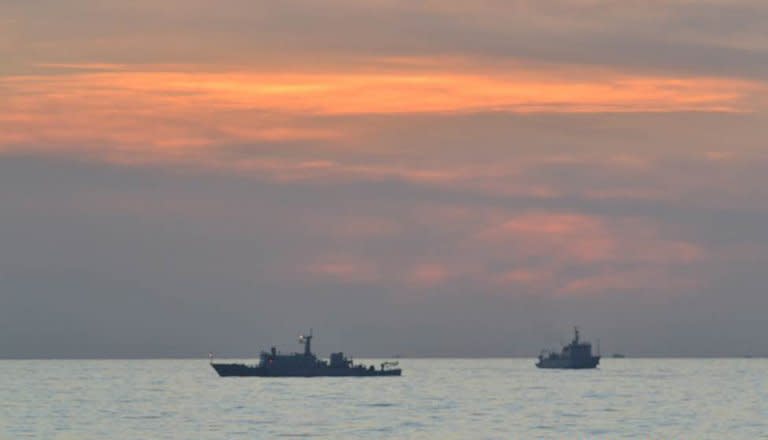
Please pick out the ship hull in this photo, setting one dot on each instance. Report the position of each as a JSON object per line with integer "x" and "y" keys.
{"x": 241, "y": 370}
{"x": 569, "y": 364}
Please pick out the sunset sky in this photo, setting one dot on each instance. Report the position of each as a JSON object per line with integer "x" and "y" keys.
{"x": 442, "y": 178}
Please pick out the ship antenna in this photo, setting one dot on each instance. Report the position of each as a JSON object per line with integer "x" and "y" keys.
{"x": 576, "y": 335}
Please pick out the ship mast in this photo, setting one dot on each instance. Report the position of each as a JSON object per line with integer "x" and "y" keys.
{"x": 307, "y": 341}
{"x": 575, "y": 335}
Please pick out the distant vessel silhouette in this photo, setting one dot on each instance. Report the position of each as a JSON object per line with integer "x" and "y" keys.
{"x": 274, "y": 364}
{"x": 576, "y": 355}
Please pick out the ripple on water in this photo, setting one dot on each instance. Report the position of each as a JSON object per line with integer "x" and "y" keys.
{"x": 86, "y": 400}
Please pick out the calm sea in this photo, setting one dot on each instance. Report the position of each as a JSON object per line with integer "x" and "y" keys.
{"x": 436, "y": 398}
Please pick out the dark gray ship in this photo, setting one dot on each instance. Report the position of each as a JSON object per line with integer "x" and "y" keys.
{"x": 576, "y": 355}
{"x": 275, "y": 364}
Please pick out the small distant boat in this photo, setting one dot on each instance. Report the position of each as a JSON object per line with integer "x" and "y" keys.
{"x": 576, "y": 355}
{"x": 618, "y": 356}
{"x": 274, "y": 364}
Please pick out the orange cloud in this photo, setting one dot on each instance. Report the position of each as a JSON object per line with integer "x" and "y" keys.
{"x": 525, "y": 276}
{"x": 573, "y": 254}
{"x": 428, "y": 275}
{"x": 181, "y": 109}
{"x": 538, "y": 253}
{"x": 559, "y": 236}
{"x": 581, "y": 239}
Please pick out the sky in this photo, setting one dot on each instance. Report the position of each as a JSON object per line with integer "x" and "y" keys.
{"x": 423, "y": 178}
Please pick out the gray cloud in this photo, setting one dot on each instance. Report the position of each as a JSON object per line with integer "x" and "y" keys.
{"x": 712, "y": 38}
{"x": 103, "y": 260}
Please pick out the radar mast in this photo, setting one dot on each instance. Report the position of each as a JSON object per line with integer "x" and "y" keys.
{"x": 307, "y": 341}
{"x": 575, "y": 335}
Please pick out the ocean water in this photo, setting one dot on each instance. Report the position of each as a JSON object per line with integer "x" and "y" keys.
{"x": 436, "y": 398}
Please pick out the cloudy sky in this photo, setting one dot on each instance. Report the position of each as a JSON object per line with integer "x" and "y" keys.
{"x": 442, "y": 178}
